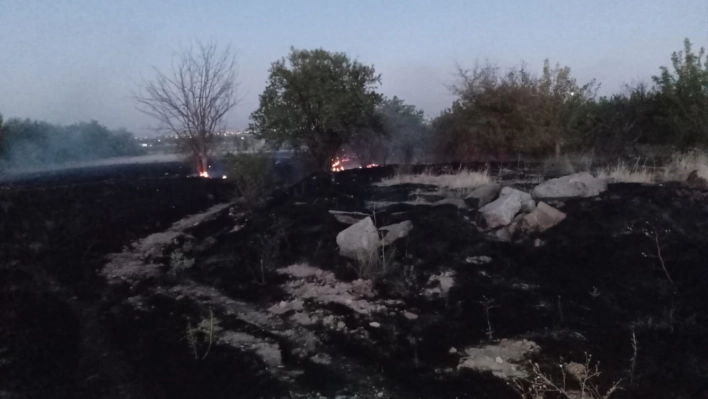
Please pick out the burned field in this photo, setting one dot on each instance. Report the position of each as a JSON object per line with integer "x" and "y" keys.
{"x": 164, "y": 288}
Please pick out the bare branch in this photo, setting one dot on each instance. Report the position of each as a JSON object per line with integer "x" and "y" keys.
{"x": 192, "y": 99}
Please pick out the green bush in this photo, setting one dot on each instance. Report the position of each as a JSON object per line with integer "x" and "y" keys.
{"x": 252, "y": 173}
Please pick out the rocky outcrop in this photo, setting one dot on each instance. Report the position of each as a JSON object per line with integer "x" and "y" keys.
{"x": 360, "y": 240}
{"x": 542, "y": 218}
{"x": 501, "y": 211}
{"x": 577, "y": 185}
{"x": 481, "y": 196}
{"x": 395, "y": 231}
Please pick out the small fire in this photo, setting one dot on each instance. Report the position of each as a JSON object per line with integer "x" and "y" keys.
{"x": 338, "y": 164}
{"x": 204, "y": 174}
{"x": 372, "y": 165}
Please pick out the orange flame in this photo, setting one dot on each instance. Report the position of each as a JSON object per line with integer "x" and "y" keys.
{"x": 204, "y": 174}
{"x": 337, "y": 165}
{"x": 372, "y": 165}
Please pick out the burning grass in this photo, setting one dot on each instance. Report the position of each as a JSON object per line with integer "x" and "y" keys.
{"x": 463, "y": 180}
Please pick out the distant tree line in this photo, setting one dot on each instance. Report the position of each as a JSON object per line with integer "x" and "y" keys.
{"x": 25, "y": 142}
{"x": 323, "y": 103}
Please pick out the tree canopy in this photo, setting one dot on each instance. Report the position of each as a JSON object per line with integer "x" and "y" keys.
{"x": 316, "y": 100}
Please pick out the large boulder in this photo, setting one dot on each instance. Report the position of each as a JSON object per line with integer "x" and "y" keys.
{"x": 481, "y": 196}
{"x": 360, "y": 240}
{"x": 577, "y": 185}
{"x": 395, "y": 231}
{"x": 501, "y": 211}
{"x": 542, "y": 218}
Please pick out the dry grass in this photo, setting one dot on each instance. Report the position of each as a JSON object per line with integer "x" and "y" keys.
{"x": 463, "y": 180}
{"x": 622, "y": 173}
{"x": 682, "y": 164}
{"x": 676, "y": 169}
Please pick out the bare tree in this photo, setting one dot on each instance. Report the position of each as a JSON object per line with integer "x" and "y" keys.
{"x": 191, "y": 100}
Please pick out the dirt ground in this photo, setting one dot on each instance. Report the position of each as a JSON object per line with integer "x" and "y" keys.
{"x": 159, "y": 287}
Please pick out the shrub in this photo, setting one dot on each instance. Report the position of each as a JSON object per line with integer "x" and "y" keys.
{"x": 251, "y": 173}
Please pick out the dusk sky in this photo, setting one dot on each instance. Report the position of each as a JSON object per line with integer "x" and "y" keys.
{"x": 66, "y": 61}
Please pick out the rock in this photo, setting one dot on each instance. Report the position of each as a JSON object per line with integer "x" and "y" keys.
{"x": 696, "y": 181}
{"x": 577, "y": 370}
{"x": 488, "y": 358}
{"x": 359, "y": 241}
{"x": 481, "y": 196}
{"x": 321, "y": 358}
{"x": 501, "y": 211}
{"x": 577, "y": 185}
{"x": 445, "y": 281}
{"x": 542, "y": 218}
{"x": 375, "y": 324}
{"x": 409, "y": 315}
{"x": 396, "y": 231}
{"x": 348, "y": 217}
{"x": 478, "y": 260}
{"x": 503, "y": 234}
{"x": 460, "y": 204}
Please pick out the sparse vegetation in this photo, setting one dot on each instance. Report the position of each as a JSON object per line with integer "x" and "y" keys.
{"x": 201, "y": 337}
{"x": 581, "y": 385}
{"x": 252, "y": 173}
{"x": 463, "y": 180}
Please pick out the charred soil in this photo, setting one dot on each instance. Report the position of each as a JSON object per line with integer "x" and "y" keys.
{"x": 235, "y": 302}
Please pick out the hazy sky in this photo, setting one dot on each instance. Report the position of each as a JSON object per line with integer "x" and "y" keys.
{"x": 71, "y": 60}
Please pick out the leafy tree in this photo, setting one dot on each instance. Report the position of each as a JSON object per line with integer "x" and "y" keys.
{"x": 684, "y": 96}
{"x": 192, "y": 99}
{"x": 498, "y": 114}
{"x": 620, "y": 122}
{"x": 316, "y": 100}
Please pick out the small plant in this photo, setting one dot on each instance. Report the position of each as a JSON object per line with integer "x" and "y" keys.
{"x": 488, "y": 304}
{"x": 252, "y": 173}
{"x": 633, "y": 361}
{"x": 202, "y": 336}
{"x": 583, "y": 376}
{"x": 656, "y": 236}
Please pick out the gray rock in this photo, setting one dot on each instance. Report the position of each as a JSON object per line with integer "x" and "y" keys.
{"x": 542, "y": 218}
{"x": 501, "y": 211}
{"x": 577, "y": 185}
{"x": 348, "y": 217}
{"x": 396, "y": 231}
{"x": 461, "y": 204}
{"x": 478, "y": 260}
{"x": 503, "y": 234}
{"x": 360, "y": 240}
{"x": 481, "y": 196}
